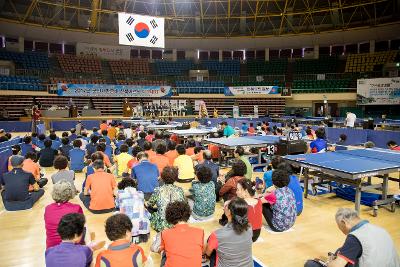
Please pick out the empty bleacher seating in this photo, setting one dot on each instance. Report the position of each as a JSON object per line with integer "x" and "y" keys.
{"x": 261, "y": 67}
{"x": 77, "y": 81}
{"x": 130, "y": 67}
{"x": 320, "y": 86}
{"x": 180, "y": 67}
{"x": 321, "y": 65}
{"x": 27, "y": 60}
{"x": 200, "y": 87}
{"x": 80, "y": 64}
{"x": 141, "y": 82}
{"x": 263, "y": 83}
{"x": 21, "y": 83}
{"x": 222, "y": 68}
{"x": 368, "y": 62}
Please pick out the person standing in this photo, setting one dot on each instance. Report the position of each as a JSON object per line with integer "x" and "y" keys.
{"x": 36, "y": 114}
{"x": 350, "y": 119}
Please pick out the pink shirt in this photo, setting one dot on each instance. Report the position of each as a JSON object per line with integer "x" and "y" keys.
{"x": 52, "y": 216}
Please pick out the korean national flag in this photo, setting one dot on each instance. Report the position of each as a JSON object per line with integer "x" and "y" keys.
{"x": 138, "y": 30}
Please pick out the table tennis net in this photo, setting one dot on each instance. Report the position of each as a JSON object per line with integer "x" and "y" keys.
{"x": 378, "y": 154}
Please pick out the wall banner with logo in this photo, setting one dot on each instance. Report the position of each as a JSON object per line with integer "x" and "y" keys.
{"x": 379, "y": 91}
{"x": 251, "y": 90}
{"x": 109, "y": 90}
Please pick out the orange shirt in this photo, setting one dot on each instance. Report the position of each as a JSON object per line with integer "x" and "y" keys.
{"x": 121, "y": 253}
{"x": 199, "y": 157}
{"x": 103, "y": 127}
{"x": 214, "y": 151}
{"x": 32, "y": 167}
{"x": 183, "y": 245}
{"x": 171, "y": 155}
{"x": 161, "y": 161}
{"x": 150, "y": 153}
{"x": 190, "y": 151}
{"x": 106, "y": 160}
{"x": 112, "y": 133}
{"x": 133, "y": 162}
{"x": 101, "y": 185}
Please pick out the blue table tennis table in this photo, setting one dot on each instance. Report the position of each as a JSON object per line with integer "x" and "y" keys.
{"x": 351, "y": 167}
{"x": 229, "y": 144}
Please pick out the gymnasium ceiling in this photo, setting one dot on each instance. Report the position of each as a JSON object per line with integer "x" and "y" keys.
{"x": 207, "y": 18}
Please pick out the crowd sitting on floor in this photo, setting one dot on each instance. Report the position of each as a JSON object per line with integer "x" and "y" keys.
{"x": 140, "y": 174}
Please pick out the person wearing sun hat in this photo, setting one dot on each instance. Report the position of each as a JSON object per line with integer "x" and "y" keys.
{"x": 16, "y": 195}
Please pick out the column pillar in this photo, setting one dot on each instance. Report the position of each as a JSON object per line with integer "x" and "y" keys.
{"x": 21, "y": 44}
{"x": 372, "y": 46}
{"x": 151, "y": 53}
{"x": 266, "y": 51}
{"x": 220, "y": 55}
{"x": 316, "y": 51}
{"x": 174, "y": 54}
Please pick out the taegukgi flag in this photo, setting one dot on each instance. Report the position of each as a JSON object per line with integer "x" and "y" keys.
{"x": 139, "y": 30}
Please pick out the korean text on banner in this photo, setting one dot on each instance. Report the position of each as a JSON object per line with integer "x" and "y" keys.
{"x": 109, "y": 90}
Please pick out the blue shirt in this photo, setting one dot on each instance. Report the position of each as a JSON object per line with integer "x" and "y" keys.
{"x": 72, "y": 137}
{"x": 77, "y": 156}
{"x": 228, "y": 131}
{"x": 268, "y": 178}
{"x": 69, "y": 254}
{"x": 294, "y": 185}
{"x": 108, "y": 140}
{"x": 55, "y": 144}
{"x": 40, "y": 143}
{"x": 64, "y": 149}
{"x": 25, "y": 148}
{"x": 146, "y": 174}
{"x": 91, "y": 148}
{"x": 318, "y": 145}
{"x": 245, "y": 127}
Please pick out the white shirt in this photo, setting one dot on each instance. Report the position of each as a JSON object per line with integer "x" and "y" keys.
{"x": 128, "y": 132}
{"x": 350, "y": 119}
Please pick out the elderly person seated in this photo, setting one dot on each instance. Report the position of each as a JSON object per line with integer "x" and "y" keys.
{"x": 163, "y": 195}
{"x": 63, "y": 192}
{"x": 16, "y": 195}
{"x": 366, "y": 244}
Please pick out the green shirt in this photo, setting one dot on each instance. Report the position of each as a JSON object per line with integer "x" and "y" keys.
{"x": 249, "y": 172}
{"x": 228, "y": 131}
{"x": 204, "y": 198}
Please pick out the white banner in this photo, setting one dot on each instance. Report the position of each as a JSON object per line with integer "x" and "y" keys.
{"x": 251, "y": 90}
{"x": 104, "y": 51}
{"x": 380, "y": 91}
{"x": 138, "y": 30}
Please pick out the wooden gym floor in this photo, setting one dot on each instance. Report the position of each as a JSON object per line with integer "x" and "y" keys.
{"x": 315, "y": 233}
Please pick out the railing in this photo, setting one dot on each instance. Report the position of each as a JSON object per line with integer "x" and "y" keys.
{"x": 21, "y": 86}
{"x": 337, "y": 76}
{"x": 41, "y": 73}
{"x": 323, "y": 90}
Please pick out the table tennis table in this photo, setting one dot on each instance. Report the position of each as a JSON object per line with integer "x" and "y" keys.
{"x": 351, "y": 167}
{"x": 268, "y": 141}
{"x": 163, "y": 126}
{"x": 193, "y": 132}
{"x": 140, "y": 121}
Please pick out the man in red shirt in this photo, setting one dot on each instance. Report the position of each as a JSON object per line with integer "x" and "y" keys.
{"x": 392, "y": 145}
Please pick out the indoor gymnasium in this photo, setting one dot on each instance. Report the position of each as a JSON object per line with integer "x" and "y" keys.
{"x": 199, "y": 133}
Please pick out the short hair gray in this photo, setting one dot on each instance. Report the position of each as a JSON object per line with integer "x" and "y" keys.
{"x": 207, "y": 154}
{"x": 63, "y": 191}
{"x": 346, "y": 214}
{"x": 369, "y": 144}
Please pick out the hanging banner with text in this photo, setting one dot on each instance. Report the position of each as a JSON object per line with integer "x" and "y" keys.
{"x": 110, "y": 90}
{"x": 104, "y": 51}
{"x": 380, "y": 91}
{"x": 251, "y": 90}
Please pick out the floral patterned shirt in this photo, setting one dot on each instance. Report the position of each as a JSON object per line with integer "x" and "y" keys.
{"x": 160, "y": 198}
{"x": 204, "y": 198}
{"x": 284, "y": 209}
